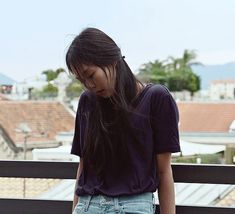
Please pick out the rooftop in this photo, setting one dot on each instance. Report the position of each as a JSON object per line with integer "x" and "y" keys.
{"x": 206, "y": 117}
{"x": 44, "y": 118}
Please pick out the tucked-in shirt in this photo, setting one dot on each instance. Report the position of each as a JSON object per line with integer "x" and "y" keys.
{"x": 158, "y": 133}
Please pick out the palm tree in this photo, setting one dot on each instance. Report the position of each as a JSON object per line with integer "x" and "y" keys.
{"x": 152, "y": 71}
{"x": 59, "y": 70}
{"x": 174, "y": 63}
{"x": 51, "y": 74}
{"x": 188, "y": 59}
{"x": 184, "y": 63}
{"x": 181, "y": 75}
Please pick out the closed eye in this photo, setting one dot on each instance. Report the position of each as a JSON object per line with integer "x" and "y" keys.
{"x": 90, "y": 76}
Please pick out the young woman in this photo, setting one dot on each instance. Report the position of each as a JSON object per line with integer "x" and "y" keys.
{"x": 125, "y": 132}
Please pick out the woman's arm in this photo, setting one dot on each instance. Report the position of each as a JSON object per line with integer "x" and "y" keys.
{"x": 79, "y": 171}
{"x": 166, "y": 192}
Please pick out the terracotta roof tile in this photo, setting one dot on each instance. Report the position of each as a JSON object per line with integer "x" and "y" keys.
{"x": 206, "y": 117}
{"x": 47, "y": 117}
{"x": 3, "y": 97}
{"x": 228, "y": 81}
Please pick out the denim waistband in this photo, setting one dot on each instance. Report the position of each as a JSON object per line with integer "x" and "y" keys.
{"x": 147, "y": 196}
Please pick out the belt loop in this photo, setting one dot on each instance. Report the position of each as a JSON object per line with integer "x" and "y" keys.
{"x": 87, "y": 203}
{"x": 116, "y": 206}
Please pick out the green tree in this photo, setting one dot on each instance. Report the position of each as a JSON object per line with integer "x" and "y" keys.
{"x": 51, "y": 74}
{"x": 188, "y": 59}
{"x": 49, "y": 91}
{"x": 74, "y": 89}
{"x": 153, "y": 72}
{"x": 173, "y": 63}
{"x": 191, "y": 81}
{"x": 59, "y": 70}
{"x": 176, "y": 73}
{"x": 184, "y": 63}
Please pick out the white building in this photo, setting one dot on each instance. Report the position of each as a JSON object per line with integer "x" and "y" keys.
{"x": 20, "y": 90}
{"x": 222, "y": 89}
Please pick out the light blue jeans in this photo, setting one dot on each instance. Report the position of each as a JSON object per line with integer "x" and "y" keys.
{"x": 100, "y": 204}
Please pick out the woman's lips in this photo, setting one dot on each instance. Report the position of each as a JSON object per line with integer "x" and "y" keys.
{"x": 100, "y": 91}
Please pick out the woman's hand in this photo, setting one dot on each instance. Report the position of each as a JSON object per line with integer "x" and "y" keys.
{"x": 79, "y": 171}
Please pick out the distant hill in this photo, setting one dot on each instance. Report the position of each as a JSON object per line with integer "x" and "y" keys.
{"x": 4, "y": 80}
{"x": 214, "y": 72}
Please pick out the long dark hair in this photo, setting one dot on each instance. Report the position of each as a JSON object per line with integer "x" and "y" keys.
{"x": 108, "y": 126}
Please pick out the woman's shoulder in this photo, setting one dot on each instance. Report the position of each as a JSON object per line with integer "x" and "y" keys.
{"x": 86, "y": 95}
{"x": 158, "y": 90}
{"x": 86, "y": 100}
{"x": 162, "y": 100}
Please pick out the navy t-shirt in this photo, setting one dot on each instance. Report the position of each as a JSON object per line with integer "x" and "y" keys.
{"x": 158, "y": 133}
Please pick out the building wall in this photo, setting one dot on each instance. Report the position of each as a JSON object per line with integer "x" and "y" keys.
{"x": 222, "y": 91}
{"x": 5, "y": 151}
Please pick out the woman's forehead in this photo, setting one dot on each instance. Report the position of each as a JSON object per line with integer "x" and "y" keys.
{"x": 81, "y": 70}
{"x": 84, "y": 69}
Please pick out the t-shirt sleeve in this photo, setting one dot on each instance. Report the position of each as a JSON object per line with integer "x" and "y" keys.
{"x": 76, "y": 147}
{"x": 165, "y": 120}
{"x": 77, "y": 138}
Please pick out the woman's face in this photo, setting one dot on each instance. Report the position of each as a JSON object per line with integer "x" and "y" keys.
{"x": 95, "y": 79}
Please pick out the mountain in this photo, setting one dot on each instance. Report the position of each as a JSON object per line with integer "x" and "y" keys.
{"x": 4, "y": 80}
{"x": 209, "y": 73}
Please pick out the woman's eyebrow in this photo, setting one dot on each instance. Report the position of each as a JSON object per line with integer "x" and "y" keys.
{"x": 85, "y": 70}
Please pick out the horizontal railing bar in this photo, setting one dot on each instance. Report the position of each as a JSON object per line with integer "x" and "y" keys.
{"x": 188, "y": 173}
{"x": 38, "y": 169}
{"x": 204, "y": 210}
{"x": 204, "y": 173}
{"x": 32, "y": 206}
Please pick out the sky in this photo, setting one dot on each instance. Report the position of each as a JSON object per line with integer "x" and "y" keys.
{"x": 34, "y": 35}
